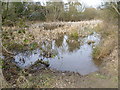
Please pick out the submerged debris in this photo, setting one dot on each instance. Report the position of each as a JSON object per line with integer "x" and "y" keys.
{"x": 90, "y": 42}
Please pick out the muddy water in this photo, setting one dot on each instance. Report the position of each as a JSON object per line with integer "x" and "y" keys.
{"x": 65, "y": 54}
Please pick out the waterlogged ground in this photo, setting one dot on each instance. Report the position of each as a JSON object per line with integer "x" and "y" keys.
{"x": 74, "y": 57}
{"x": 65, "y": 50}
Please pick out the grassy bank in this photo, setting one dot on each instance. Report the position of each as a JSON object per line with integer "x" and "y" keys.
{"x": 109, "y": 36}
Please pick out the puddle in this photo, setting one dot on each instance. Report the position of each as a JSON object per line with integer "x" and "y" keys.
{"x": 67, "y": 54}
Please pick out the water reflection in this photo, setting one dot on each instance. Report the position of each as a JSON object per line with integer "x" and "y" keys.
{"x": 79, "y": 61}
{"x": 73, "y": 45}
{"x": 64, "y": 54}
{"x": 59, "y": 41}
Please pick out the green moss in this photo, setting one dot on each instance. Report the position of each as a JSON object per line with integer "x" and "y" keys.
{"x": 26, "y": 41}
{"x": 21, "y": 31}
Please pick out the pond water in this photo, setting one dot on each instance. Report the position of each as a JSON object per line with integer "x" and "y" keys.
{"x": 66, "y": 54}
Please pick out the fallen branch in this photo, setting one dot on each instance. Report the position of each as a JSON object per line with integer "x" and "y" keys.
{"x": 41, "y": 62}
{"x": 44, "y": 62}
{"x": 7, "y": 50}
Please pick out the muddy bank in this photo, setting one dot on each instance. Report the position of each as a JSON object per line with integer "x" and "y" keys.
{"x": 106, "y": 77}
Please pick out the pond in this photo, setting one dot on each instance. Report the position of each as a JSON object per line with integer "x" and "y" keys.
{"x": 63, "y": 54}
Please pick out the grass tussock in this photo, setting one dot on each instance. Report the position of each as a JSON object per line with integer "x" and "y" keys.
{"x": 74, "y": 35}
